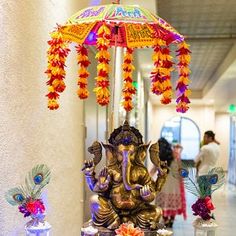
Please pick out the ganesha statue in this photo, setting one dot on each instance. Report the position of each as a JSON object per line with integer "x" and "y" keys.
{"x": 124, "y": 188}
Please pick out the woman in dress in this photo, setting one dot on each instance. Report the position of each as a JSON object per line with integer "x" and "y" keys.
{"x": 172, "y": 196}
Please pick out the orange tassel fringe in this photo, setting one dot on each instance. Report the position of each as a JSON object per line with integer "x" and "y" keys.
{"x": 103, "y": 56}
{"x": 83, "y": 61}
{"x": 128, "y": 88}
{"x": 57, "y": 53}
{"x": 182, "y": 84}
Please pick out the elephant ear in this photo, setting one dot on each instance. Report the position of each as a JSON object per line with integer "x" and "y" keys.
{"x": 96, "y": 150}
{"x": 110, "y": 154}
{"x": 154, "y": 154}
{"x": 141, "y": 153}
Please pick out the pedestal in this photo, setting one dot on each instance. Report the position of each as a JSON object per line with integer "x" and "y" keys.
{"x": 204, "y": 227}
{"x": 40, "y": 230}
{"x": 90, "y": 230}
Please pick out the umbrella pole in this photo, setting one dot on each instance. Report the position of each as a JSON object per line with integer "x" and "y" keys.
{"x": 114, "y": 82}
{"x": 127, "y": 116}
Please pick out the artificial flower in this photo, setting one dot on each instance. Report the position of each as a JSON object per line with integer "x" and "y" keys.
{"x": 182, "y": 107}
{"x": 209, "y": 203}
{"x": 53, "y": 104}
{"x": 200, "y": 208}
{"x": 32, "y": 207}
{"x": 128, "y": 229}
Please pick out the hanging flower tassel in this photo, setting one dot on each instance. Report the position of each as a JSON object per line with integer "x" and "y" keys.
{"x": 183, "y": 92}
{"x": 160, "y": 75}
{"x": 103, "y": 56}
{"x": 165, "y": 76}
{"x": 128, "y": 88}
{"x": 83, "y": 61}
{"x": 156, "y": 76}
{"x": 57, "y": 53}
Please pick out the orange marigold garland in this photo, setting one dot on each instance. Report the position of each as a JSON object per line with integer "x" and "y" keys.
{"x": 57, "y": 53}
{"x": 160, "y": 75}
{"x": 103, "y": 56}
{"x": 83, "y": 61}
{"x": 157, "y": 87}
{"x": 182, "y": 84}
{"x": 167, "y": 68}
{"x": 128, "y": 87}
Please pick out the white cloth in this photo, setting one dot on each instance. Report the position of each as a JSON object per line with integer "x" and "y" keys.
{"x": 208, "y": 155}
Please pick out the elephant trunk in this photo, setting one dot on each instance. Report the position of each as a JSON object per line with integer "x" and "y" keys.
{"x": 126, "y": 167}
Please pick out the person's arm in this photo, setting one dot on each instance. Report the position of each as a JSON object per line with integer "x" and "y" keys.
{"x": 199, "y": 159}
{"x": 217, "y": 142}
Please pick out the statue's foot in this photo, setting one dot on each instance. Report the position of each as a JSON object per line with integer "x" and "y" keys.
{"x": 149, "y": 217}
{"x": 115, "y": 224}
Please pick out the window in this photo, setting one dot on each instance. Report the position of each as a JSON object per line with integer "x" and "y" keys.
{"x": 183, "y": 130}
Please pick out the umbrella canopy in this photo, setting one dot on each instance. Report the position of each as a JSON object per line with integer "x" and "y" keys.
{"x": 135, "y": 26}
{"x": 125, "y": 26}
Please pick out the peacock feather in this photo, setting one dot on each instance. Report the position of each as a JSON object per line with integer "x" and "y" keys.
{"x": 15, "y": 196}
{"x": 217, "y": 179}
{"x": 201, "y": 186}
{"x": 36, "y": 180}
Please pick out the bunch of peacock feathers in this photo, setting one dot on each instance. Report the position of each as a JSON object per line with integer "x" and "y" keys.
{"x": 31, "y": 191}
{"x": 201, "y": 186}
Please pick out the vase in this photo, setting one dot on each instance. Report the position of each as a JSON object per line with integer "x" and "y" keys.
{"x": 37, "y": 226}
{"x": 204, "y": 227}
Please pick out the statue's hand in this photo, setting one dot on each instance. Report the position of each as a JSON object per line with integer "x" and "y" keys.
{"x": 104, "y": 179}
{"x": 89, "y": 167}
{"x": 163, "y": 170}
{"x": 146, "y": 193}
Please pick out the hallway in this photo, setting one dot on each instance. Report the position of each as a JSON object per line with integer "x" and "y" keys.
{"x": 30, "y": 134}
{"x": 224, "y": 201}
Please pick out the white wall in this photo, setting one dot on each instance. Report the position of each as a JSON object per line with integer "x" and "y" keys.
{"x": 29, "y": 132}
{"x": 203, "y": 116}
{"x": 206, "y": 119}
{"x": 222, "y": 129}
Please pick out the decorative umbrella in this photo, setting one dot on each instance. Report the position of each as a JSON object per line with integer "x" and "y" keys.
{"x": 125, "y": 26}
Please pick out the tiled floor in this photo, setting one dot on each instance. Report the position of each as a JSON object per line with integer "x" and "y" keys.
{"x": 224, "y": 200}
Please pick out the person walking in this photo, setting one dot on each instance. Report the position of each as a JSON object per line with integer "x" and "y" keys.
{"x": 208, "y": 155}
{"x": 207, "y": 159}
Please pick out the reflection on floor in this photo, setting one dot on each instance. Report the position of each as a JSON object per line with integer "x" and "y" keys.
{"x": 224, "y": 200}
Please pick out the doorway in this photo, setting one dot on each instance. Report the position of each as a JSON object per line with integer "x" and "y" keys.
{"x": 184, "y": 131}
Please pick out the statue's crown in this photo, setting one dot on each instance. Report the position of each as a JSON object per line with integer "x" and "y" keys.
{"x": 126, "y": 135}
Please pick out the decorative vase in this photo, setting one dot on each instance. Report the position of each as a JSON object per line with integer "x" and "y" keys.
{"x": 37, "y": 226}
{"x": 204, "y": 227}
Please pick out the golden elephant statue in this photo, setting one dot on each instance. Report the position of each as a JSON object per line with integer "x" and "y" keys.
{"x": 124, "y": 187}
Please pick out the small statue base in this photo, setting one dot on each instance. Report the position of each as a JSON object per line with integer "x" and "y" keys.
{"x": 90, "y": 230}
{"x": 204, "y": 227}
{"x": 42, "y": 229}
